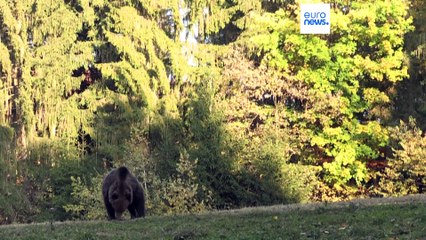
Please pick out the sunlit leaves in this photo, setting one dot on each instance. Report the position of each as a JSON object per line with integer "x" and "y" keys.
{"x": 374, "y": 96}
{"x": 143, "y": 48}
{"x": 347, "y": 74}
{"x": 5, "y": 63}
{"x": 406, "y": 173}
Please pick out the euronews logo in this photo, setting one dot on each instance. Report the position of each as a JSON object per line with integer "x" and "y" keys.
{"x": 315, "y": 18}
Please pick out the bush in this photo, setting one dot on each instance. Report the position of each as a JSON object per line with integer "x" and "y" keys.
{"x": 46, "y": 175}
{"x": 14, "y": 205}
{"x": 179, "y": 193}
{"x": 266, "y": 174}
{"x": 406, "y": 171}
{"x": 88, "y": 199}
{"x": 182, "y": 193}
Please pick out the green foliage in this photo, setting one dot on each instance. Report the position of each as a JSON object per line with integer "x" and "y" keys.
{"x": 14, "y": 204}
{"x": 143, "y": 49}
{"x": 6, "y": 149}
{"x": 412, "y": 100}
{"x": 87, "y": 199}
{"x": 182, "y": 193}
{"x": 406, "y": 170}
{"x": 350, "y": 149}
{"x": 46, "y": 174}
{"x": 204, "y": 130}
{"x": 266, "y": 174}
{"x": 352, "y": 69}
{"x": 63, "y": 180}
{"x": 247, "y": 112}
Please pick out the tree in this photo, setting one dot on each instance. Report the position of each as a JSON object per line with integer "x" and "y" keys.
{"x": 411, "y": 99}
{"x": 337, "y": 89}
{"x": 263, "y": 114}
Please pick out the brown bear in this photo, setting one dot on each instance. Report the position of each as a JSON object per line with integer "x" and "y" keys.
{"x": 121, "y": 190}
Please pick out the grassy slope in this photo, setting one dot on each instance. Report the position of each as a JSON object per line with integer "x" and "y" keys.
{"x": 368, "y": 219}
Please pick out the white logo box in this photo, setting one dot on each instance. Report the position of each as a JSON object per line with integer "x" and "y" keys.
{"x": 315, "y": 18}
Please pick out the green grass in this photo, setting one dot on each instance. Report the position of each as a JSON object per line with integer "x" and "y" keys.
{"x": 322, "y": 221}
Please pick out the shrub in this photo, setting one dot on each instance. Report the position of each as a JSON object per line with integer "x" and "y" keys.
{"x": 268, "y": 174}
{"x": 14, "y": 205}
{"x": 88, "y": 199}
{"x": 182, "y": 193}
{"x": 406, "y": 171}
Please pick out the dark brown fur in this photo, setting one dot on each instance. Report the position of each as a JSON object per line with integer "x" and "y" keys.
{"x": 121, "y": 190}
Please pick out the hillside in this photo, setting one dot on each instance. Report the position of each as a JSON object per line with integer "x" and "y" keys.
{"x": 211, "y": 104}
{"x": 386, "y": 218}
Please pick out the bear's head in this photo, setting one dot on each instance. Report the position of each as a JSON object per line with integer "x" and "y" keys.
{"x": 120, "y": 195}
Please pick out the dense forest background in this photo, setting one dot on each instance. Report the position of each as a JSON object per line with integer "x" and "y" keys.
{"x": 212, "y": 104}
